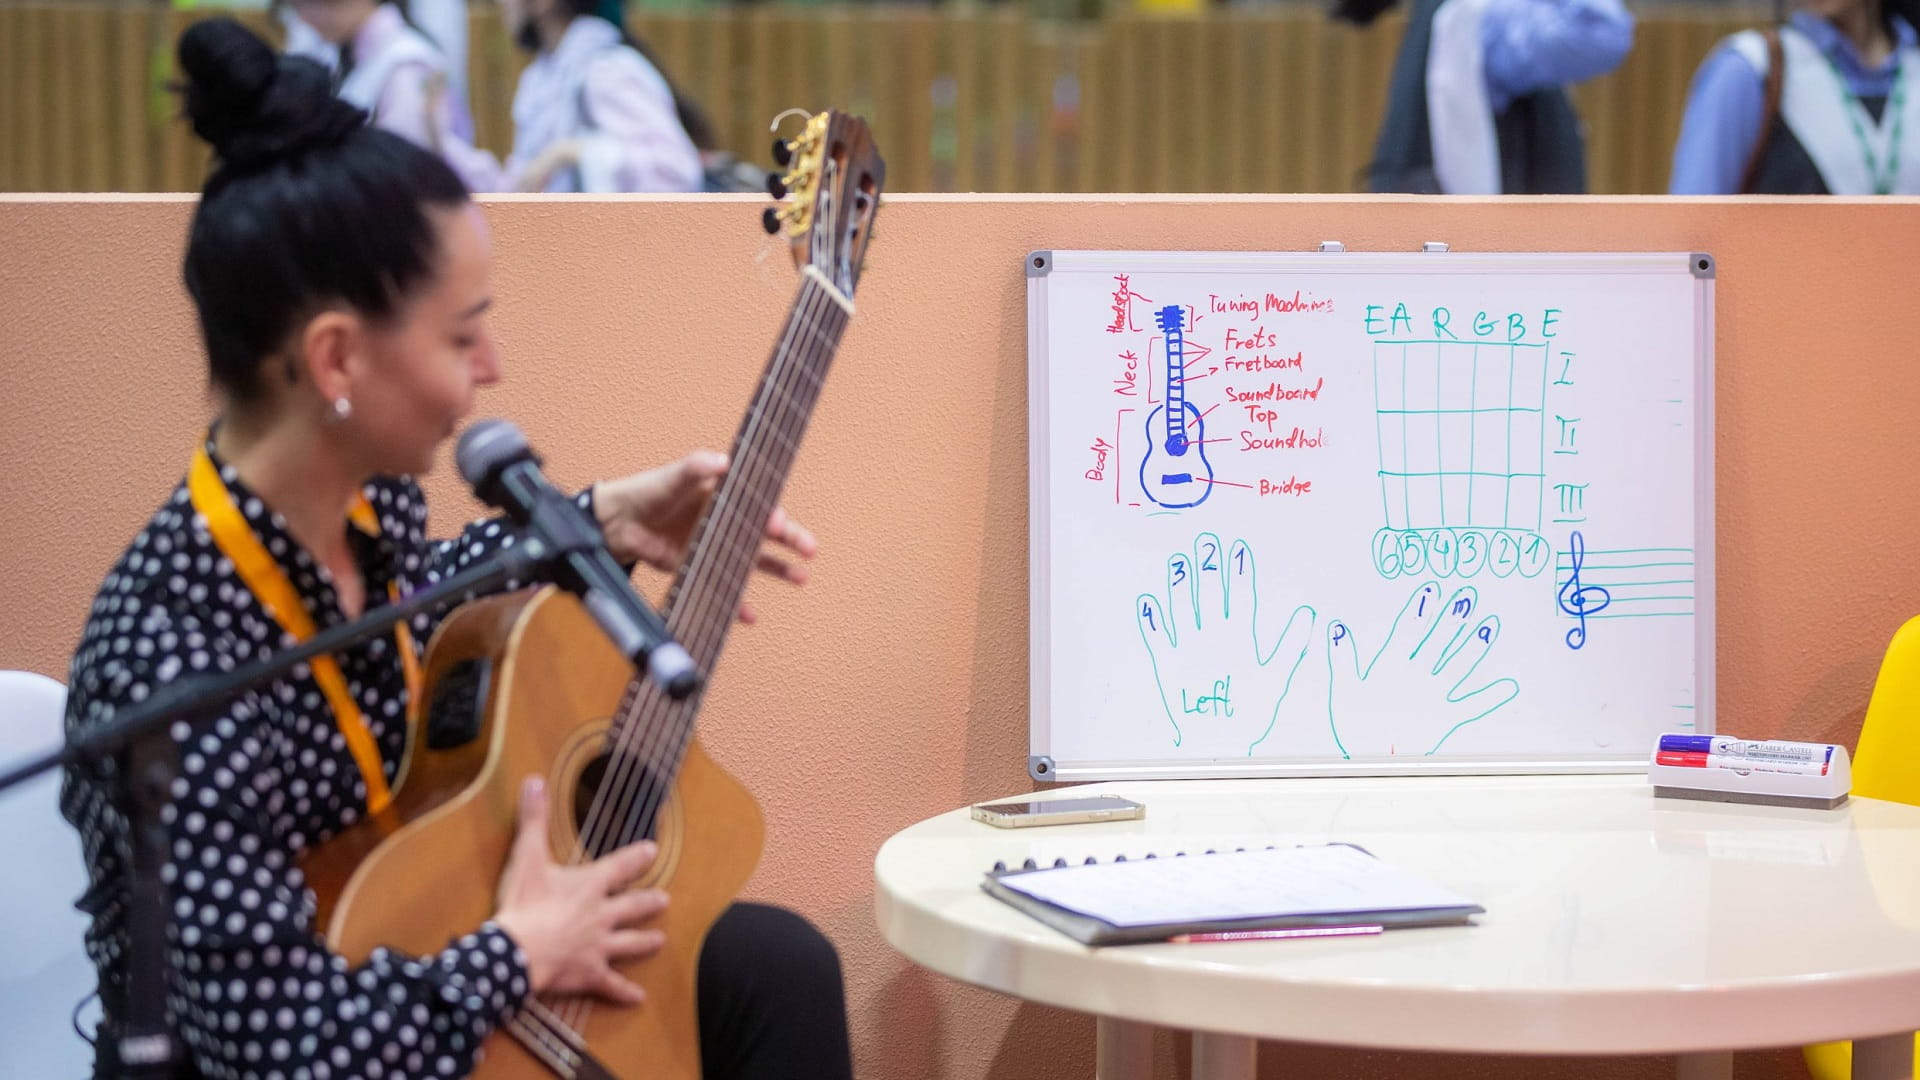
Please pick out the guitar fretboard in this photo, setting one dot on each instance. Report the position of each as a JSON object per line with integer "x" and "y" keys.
{"x": 650, "y": 728}
{"x": 1176, "y": 343}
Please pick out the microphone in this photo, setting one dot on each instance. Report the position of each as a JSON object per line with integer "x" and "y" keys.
{"x": 494, "y": 458}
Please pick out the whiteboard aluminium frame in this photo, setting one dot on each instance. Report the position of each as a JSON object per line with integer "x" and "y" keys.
{"x": 1332, "y": 259}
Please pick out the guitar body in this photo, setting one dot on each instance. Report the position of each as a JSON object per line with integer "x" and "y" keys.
{"x": 1175, "y": 472}
{"x": 425, "y": 872}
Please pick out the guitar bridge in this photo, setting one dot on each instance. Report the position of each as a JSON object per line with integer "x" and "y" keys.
{"x": 1176, "y": 478}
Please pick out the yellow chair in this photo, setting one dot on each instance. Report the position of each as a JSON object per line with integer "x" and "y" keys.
{"x": 1886, "y": 766}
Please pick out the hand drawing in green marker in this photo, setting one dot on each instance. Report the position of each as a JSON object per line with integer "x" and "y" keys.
{"x": 1418, "y": 675}
{"x": 1221, "y": 673}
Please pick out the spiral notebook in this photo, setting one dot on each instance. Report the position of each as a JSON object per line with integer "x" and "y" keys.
{"x": 1129, "y": 901}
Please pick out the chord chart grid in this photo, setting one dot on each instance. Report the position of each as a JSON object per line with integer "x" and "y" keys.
{"x": 1462, "y": 436}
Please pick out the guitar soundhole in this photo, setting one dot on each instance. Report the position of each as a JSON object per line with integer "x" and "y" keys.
{"x": 631, "y": 810}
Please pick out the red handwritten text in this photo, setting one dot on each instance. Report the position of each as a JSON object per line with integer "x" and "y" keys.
{"x": 1129, "y": 379}
{"x": 1245, "y": 305}
{"x": 1297, "y": 439}
{"x": 1275, "y": 392}
{"x": 1264, "y": 362}
{"x": 1123, "y": 298}
{"x": 1100, "y": 450}
{"x": 1292, "y": 485}
{"x": 1288, "y": 305}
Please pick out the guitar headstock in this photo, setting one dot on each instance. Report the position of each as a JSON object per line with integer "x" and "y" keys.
{"x": 829, "y": 194}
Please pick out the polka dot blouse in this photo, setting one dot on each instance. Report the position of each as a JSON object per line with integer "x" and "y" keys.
{"x": 254, "y": 991}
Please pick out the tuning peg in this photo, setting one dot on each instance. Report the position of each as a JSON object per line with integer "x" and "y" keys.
{"x": 770, "y": 220}
{"x": 774, "y": 187}
{"x": 782, "y": 153}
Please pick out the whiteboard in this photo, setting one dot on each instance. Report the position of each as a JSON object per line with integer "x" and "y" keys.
{"x": 1335, "y": 512}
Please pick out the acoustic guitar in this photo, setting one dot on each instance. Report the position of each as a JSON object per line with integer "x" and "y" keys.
{"x": 526, "y": 683}
{"x": 1174, "y": 471}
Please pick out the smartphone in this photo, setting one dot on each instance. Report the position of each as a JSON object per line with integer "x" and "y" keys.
{"x": 1026, "y": 813}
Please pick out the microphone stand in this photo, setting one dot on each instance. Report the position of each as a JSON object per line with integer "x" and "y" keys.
{"x": 137, "y": 751}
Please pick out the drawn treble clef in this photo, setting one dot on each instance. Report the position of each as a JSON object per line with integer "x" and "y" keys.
{"x": 1577, "y": 600}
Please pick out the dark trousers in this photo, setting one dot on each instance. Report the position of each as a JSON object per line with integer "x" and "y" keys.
{"x": 772, "y": 1006}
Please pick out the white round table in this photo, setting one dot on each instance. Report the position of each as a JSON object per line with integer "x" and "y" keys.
{"x": 1616, "y": 923}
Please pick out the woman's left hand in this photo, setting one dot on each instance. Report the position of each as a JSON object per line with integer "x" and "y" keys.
{"x": 649, "y": 517}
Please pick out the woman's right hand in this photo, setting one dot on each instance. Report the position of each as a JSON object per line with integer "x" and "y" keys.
{"x": 574, "y": 922}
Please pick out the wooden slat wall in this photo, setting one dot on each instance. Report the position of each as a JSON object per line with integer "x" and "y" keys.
{"x": 1270, "y": 99}
{"x": 12, "y": 71}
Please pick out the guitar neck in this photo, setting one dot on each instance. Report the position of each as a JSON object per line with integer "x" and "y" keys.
{"x": 706, "y": 592}
{"x": 1176, "y": 380}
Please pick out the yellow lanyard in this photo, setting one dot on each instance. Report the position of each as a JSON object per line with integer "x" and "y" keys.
{"x": 269, "y": 584}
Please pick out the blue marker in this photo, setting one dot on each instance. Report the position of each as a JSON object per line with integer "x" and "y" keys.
{"x": 1723, "y": 746}
{"x": 1687, "y": 744}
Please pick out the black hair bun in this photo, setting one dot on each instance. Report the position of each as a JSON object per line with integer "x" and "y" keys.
{"x": 253, "y": 106}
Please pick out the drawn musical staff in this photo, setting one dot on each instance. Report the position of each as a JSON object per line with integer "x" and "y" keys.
{"x": 1579, "y": 600}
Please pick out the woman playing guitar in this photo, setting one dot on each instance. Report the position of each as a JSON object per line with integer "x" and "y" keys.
{"x": 340, "y": 278}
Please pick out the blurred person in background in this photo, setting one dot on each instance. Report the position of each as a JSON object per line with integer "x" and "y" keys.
{"x": 444, "y": 22}
{"x": 384, "y": 64}
{"x": 1821, "y": 105}
{"x": 1477, "y": 103}
{"x": 593, "y": 111}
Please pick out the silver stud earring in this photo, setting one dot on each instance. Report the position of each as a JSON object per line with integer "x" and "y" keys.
{"x": 342, "y": 408}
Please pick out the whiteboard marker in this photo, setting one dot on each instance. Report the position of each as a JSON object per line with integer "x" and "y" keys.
{"x": 1694, "y": 759}
{"x": 1725, "y": 746}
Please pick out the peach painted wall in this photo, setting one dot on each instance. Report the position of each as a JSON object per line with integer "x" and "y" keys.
{"x": 894, "y": 687}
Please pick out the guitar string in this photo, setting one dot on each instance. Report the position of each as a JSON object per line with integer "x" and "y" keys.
{"x": 639, "y": 748}
{"x": 620, "y": 790}
{"x": 624, "y": 773}
{"x": 739, "y": 538}
{"x": 718, "y": 601}
{"x": 536, "y": 1034}
{"x": 742, "y": 533}
{"x": 545, "y": 1036}
{"x": 642, "y": 698}
{"x": 539, "y": 1043}
{"x": 701, "y": 596}
{"x": 659, "y": 733}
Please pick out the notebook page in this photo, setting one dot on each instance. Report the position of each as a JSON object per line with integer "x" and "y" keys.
{"x": 1319, "y": 880}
